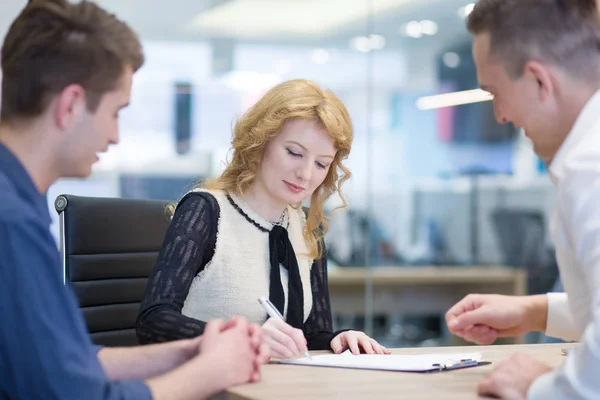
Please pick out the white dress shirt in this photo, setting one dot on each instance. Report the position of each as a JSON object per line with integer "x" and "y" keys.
{"x": 575, "y": 315}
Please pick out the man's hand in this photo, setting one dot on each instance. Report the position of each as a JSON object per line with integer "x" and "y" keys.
{"x": 235, "y": 350}
{"x": 484, "y": 318}
{"x": 512, "y": 378}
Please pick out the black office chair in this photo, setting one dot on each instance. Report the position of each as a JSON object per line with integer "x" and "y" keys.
{"x": 522, "y": 237}
{"x": 108, "y": 249}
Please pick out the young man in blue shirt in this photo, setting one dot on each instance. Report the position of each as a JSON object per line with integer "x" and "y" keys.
{"x": 67, "y": 71}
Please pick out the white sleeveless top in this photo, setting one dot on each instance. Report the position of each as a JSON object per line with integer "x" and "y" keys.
{"x": 238, "y": 274}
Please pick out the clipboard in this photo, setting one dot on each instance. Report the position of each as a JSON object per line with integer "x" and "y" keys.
{"x": 424, "y": 363}
{"x": 459, "y": 364}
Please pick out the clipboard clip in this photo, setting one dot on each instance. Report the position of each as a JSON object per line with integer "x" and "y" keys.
{"x": 456, "y": 364}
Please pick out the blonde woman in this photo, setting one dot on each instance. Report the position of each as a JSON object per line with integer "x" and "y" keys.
{"x": 245, "y": 234}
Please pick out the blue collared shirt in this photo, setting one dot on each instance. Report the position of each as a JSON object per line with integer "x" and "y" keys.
{"x": 45, "y": 350}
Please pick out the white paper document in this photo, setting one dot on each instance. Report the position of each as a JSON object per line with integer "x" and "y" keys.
{"x": 406, "y": 363}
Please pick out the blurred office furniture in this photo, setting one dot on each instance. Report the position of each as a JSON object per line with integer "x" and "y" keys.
{"x": 108, "y": 248}
{"x": 418, "y": 291}
{"x": 355, "y": 239}
{"x": 522, "y": 238}
{"x": 463, "y": 211}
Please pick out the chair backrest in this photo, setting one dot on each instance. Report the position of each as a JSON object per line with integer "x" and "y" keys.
{"x": 521, "y": 236}
{"x": 108, "y": 250}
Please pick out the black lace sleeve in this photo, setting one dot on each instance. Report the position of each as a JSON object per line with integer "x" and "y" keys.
{"x": 318, "y": 328}
{"x": 188, "y": 246}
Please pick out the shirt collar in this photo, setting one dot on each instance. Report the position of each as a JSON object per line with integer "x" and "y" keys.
{"x": 26, "y": 190}
{"x": 586, "y": 120}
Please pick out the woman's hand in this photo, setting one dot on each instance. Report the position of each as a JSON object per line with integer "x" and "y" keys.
{"x": 355, "y": 340}
{"x": 283, "y": 340}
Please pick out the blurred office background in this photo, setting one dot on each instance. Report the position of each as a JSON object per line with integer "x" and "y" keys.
{"x": 436, "y": 189}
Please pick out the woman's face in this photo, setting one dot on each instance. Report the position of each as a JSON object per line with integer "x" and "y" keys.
{"x": 296, "y": 161}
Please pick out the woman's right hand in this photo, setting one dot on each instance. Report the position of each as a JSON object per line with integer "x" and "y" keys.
{"x": 284, "y": 340}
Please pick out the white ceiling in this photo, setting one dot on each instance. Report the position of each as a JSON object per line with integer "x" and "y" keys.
{"x": 298, "y": 22}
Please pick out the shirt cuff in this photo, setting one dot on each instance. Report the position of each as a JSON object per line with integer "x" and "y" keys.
{"x": 560, "y": 322}
{"x": 543, "y": 388}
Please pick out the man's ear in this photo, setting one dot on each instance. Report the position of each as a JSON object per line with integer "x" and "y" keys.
{"x": 541, "y": 77}
{"x": 69, "y": 105}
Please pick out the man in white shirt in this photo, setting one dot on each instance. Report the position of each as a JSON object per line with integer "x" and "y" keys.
{"x": 540, "y": 59}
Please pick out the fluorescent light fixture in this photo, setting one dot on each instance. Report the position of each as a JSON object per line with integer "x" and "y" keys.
{"x": 417, "y": 29}
{"x": 360, "y": 43}
{"x": 377, "y": 42}
{"x": 464, "y": 11}
{"x": 429, "y": 27}
{"x": 453, "y": 99}
{"x": 265, "y": 18}
{"x": 413, "y": 29}
{"x": 365, "y": 44}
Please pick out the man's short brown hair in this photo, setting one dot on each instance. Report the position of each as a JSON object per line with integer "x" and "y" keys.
{"x": 565, "y": 33}
{"x": 53, "y": 44}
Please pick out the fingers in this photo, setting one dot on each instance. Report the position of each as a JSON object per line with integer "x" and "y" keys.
{"x": 212, "y": 329}
{"x": 256, "y": 376}
{"x": 279, "y": 331}
{"x": 379, "y": 349}
{"x": 467, "y": 304}
{"x": 352, "y": 344}
{"x": 366, "y": 343}
{"x": 295, "y": 334}
{"x": 369, "y": 345}
{"x": 336, "y": 344}
{"x": 229, "y": 324}
{"x": 355, "y": 341}
{"x": 479, "y": 334}
{"x": 278, "y": 350}
{"x": 487, "y": 387}
{"x": 263, "y": 354}
{"x": 262, "y": 357}
{"x": 496, "y": 386}
{"x": 480, "y": 316}
{"x": 256, "y": 335}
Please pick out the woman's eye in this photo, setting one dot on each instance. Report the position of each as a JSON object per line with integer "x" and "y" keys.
{"x": 291, "y": 153}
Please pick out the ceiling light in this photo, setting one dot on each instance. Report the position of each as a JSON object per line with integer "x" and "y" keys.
{"x": 365, "y": 44}
{"x": 429, "y": 27}
{"x": 416, "y": 29}
{"x": 377, "y": 42}
{"x": 360, "y": 43}
{"x": 290, "y": 17}
{"x": 320, "y": 56}
{"x": 413, "y": 29}
{"x": 453, "y": 99}
{"x": 451, "y": 60}
{"x": 464, "y": 11}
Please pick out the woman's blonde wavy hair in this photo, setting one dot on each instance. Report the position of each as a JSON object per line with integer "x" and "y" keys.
{"x": 262, "y": 122}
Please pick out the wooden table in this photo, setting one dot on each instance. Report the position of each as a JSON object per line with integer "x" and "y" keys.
{"x": 418, "y": 290}
{"x": 302, "y": 382}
